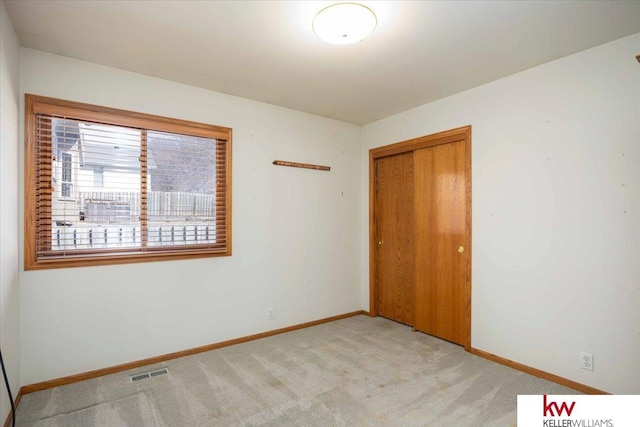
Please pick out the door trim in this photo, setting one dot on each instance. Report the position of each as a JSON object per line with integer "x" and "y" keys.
{"x": 449, "y": 136}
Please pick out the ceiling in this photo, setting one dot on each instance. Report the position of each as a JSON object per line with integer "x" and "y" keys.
{"x": 266, "y": 50}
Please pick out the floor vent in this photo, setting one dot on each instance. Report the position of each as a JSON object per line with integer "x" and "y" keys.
{"x": 145, "y": 375}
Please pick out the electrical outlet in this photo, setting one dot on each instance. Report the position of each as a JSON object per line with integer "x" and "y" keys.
{"x": 271, "y": 313}
{"x": 586, "y": 361}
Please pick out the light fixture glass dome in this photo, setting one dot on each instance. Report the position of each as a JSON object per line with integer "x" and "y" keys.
{"x": 344, "y": 23}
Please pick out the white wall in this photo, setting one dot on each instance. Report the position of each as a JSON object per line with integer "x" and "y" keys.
{"x": 295, "y": 235}
{"x": 9, "y": 266}
{"x": 556, "y": 202}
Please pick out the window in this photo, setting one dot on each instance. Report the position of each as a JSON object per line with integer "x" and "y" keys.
{"x": 105, "y": 186}
{"x": 66, "y": 181}
{"x": 98, "y": 176}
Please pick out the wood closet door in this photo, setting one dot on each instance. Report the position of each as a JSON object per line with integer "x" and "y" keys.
{"x": 441, "y": 186}
{"x": 394, "y": 263}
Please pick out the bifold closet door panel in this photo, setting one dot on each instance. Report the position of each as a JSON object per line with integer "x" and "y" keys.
{"x": 440, "y": 245}
{"x": 394, "y": 262}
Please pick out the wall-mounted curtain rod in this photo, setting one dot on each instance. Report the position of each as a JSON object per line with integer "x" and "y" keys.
{"x": 301, "y": 165}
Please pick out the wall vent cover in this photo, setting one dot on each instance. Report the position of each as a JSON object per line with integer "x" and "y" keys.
{"x": 145, "y": 375}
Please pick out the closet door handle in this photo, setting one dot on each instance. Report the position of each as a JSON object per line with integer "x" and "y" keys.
{"x": 380, "y": 242}
{"x": 461, "y": 249}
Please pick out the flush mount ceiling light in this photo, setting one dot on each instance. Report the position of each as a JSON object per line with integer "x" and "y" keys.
{"x": 344, "y": 23}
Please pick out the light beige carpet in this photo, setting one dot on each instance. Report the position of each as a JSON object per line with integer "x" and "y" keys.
{"x": 359, "y": 371}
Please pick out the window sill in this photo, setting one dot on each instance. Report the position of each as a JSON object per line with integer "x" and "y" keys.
{"x": 123, "y": 258}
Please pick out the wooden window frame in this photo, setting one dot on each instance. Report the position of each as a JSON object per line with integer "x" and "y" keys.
{"x": 35, "y": 105}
